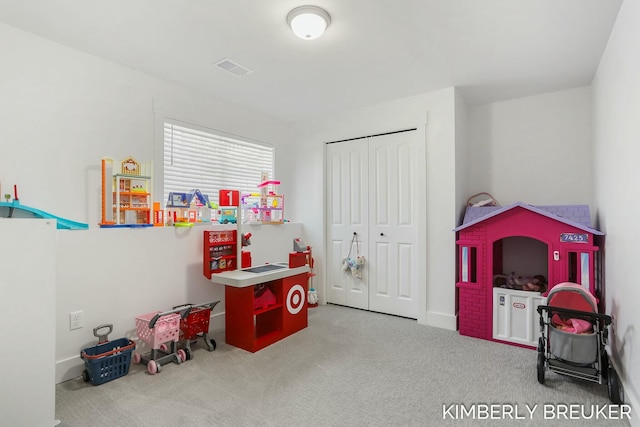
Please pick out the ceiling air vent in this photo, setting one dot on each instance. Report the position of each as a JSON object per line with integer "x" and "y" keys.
{"x": 233, "y": 67}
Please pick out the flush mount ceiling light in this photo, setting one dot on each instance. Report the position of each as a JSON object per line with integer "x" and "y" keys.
{"x": 308, "y": 22}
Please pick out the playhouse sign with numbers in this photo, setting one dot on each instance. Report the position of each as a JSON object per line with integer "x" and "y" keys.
{"x": 574, "y": 238}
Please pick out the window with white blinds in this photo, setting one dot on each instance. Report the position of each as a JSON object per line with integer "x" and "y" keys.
{"x": 207, "y": 160}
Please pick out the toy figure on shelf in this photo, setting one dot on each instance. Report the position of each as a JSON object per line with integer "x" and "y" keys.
{"x": 228, "y": 209}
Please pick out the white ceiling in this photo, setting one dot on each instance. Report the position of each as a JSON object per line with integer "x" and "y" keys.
{"x": 374, "y": 50}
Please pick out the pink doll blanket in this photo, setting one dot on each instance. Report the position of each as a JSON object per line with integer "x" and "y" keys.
{"x": 574, "y": 326}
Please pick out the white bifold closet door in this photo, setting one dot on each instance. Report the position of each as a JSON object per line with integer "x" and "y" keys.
{"x": 372, "y": 191}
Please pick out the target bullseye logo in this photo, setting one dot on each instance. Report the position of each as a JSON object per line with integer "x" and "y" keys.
{"x": 295, "y": 299}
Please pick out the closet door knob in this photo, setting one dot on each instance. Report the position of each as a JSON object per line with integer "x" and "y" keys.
{"x": 382, "y": 234}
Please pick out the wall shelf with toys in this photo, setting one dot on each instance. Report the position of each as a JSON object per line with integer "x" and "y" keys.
{"x": 126, "y": 193}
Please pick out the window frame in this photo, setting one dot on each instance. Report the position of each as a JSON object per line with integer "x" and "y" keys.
{"x": 243, "y": 182}
{"x": 468, "y": 265}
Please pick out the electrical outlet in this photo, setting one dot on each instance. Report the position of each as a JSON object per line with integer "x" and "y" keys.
{"x": 76, "y": 320}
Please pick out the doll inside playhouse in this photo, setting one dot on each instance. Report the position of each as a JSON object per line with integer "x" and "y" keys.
{"x": 520, "y": 263}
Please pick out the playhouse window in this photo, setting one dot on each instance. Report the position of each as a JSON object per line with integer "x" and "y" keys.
{"x": 209, "y": 160}
{"x": 584, "y": 270}
{"x": 580, "y": 268}
{"x": 468, "y": 264}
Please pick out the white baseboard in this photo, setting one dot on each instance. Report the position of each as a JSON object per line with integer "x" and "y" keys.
{"x": 441, "y": 320}
{"x": 69, "y": 369}
{"x": 72, "y": 367}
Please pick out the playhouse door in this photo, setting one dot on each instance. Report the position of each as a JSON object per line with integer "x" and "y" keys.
{"x": 373, "y": 190}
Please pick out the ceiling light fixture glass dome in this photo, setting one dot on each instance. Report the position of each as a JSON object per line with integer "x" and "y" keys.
{"x": 308, "y": 22}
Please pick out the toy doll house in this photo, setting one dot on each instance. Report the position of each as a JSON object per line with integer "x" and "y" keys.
{"x": 126, "y": 193}
{"x": 265, "y": 207}
{"x": 188, "y": 208}
{"x": 508, "y": 257}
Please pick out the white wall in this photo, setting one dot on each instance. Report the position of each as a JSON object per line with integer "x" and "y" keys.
{"x": 463, "y": 159}
{"x": 536, "y": 150}
{"x": 62, "y": 111}
{"x": 27, "y": 286}
{"x": 306, "y": 154}
{"x": 114, "y": 275}
{"x": 616, "y": 108}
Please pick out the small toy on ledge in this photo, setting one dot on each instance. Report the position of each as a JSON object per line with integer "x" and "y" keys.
{"x": 16, "y": 210}
{"x": 228, "y": 206}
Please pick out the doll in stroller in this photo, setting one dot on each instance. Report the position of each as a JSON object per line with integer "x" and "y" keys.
{"x": 573, "y": 336}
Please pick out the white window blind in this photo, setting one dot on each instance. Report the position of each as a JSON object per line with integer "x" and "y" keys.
{"x": 207, "y": 160}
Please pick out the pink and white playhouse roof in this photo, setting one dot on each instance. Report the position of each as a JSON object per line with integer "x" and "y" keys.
{"x": 575, "y": 215}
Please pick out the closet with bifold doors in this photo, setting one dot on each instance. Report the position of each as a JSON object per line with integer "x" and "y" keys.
{"x": 374, "y": 187}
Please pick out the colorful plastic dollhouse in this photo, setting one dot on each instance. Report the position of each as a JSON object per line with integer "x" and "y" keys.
{"x": 509, "y": 256}
{"x": 264, "y": 207}
{"x": 188, "y": 208}
{"x": 126, "y": 193}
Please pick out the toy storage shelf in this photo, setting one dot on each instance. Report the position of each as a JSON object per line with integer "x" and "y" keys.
{"x": 266, "y": 309}
{"x": 254, "y": 328}
{"x": 248, "y": 328}
{"x": 219, "y": 251}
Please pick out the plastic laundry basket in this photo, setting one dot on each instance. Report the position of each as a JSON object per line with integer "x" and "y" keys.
{"x": 107, "y": 361}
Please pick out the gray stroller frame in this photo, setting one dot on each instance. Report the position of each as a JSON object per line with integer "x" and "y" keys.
{"x": 581, "y": 356}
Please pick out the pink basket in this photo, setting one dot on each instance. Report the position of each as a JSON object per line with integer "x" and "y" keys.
{"x": 166, "y": 329}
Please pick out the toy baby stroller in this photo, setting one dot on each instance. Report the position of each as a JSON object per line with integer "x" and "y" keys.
{"x": 195, "y": 325}
{"x": 573, "y": 338}
{"x": 156, "y": 330}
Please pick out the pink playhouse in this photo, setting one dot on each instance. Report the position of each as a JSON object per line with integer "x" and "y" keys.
{"x": 508, "y": 257}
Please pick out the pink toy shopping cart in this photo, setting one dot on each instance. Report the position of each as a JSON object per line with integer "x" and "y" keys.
{"x": 573, "y": 336}
{"x": 157, "y": 329}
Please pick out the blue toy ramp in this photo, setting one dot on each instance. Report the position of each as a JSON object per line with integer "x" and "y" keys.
{"x": 16, "y": 210}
